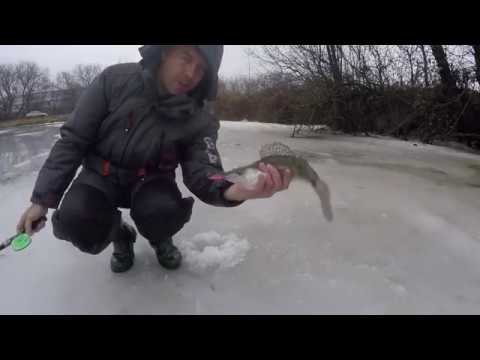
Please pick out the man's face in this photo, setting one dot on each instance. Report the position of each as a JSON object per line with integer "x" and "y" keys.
{"x": 182, "y": 69}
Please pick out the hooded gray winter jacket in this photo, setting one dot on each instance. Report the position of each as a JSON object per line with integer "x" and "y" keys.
{"x": 122, "y": 122}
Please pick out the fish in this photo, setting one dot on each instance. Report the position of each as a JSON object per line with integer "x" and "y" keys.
{"x": 282, "y": 157}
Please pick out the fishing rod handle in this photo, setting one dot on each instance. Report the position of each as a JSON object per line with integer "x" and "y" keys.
{"x": 38, "y": 221}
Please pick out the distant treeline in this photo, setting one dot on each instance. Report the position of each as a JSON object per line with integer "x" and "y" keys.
{"x": 26, "y": 86}
{"x": 428, "y": 92}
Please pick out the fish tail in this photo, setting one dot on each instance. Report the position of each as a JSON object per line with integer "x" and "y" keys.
{"x": 322, "y": 190}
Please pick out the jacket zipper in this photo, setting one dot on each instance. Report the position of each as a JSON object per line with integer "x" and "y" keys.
{"x": 130, "y": 136}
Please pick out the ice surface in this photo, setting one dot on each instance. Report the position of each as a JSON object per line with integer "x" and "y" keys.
{"x": 35, "y": 133}
{"x": 405, "y": 239}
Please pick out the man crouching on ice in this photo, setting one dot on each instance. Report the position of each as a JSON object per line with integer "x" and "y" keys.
{"x": 130, "y": 129}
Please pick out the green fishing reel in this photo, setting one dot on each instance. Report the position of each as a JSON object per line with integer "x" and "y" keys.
{"x": 20, "y": 242}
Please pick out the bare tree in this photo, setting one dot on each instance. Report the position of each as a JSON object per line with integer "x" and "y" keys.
{"x": 8, "y": 90}
{"x": 382, "y": 61}
{"x": 72, "y": 83}
{"x": 462, "y": 65}
{"x": 303, "y": 62}
{"x": 66, "y": 80}
{"x": 410, "y": 55}
{"x": 448, "y": 82}
{"x": 335, "y": 62}
{"x": 476, "y": 54}
{"x": 68, "y": 91}
{"x": 85, "y": 74}
{"x": 358, "y": 69}
{"x": 425, "y": 66}
{"x": 31, "y": 79}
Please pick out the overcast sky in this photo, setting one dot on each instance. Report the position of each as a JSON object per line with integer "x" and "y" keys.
{"x": 64, "y": 57}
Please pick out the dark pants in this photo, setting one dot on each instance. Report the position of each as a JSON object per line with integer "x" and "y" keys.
{"x": 89, "y": 218}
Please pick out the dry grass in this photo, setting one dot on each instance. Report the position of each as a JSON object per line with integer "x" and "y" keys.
{"x": 30, "y": 121}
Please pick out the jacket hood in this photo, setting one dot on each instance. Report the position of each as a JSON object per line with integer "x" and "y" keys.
{"x": 208, "y": 87}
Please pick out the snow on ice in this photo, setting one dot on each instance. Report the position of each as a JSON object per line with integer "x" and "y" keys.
{"x": 405, "y": 239}
{"x": 211, "y": 251}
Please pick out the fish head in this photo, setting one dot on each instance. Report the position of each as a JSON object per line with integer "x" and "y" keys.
{"x": 247, "y": 177}
{"x": 233, "y": 177}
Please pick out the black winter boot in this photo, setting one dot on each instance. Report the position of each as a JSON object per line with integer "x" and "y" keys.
{"x": 123, "y": 255}
{"x": 167, "y": 254}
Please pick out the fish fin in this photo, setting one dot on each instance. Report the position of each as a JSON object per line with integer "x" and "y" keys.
{"x": 275, "y": 148}
{"x": 322, "y": 190}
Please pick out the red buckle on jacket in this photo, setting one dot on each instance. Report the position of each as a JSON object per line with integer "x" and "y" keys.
{"x": 106, "y": 167}
{"x": 141, "y": 172}
{"x": 217, "y": 177}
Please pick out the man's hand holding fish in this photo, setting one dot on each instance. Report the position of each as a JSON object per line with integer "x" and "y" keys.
{"x": 262, "y": 183}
